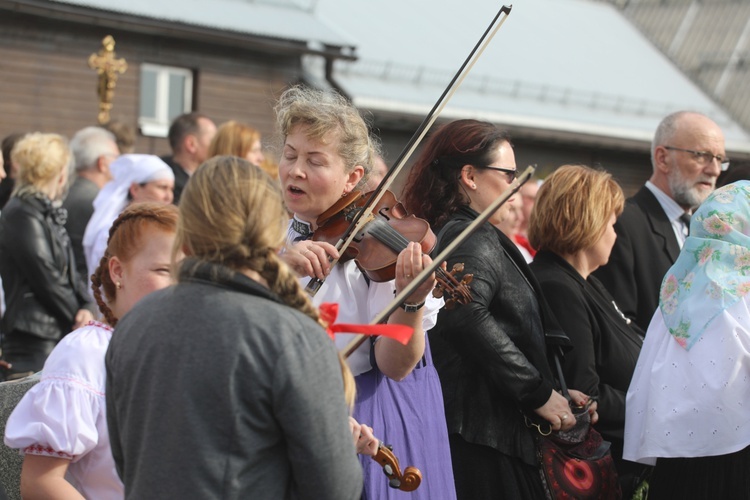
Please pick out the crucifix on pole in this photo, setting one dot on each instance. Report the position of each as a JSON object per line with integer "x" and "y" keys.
{"x": 107, "y": 66}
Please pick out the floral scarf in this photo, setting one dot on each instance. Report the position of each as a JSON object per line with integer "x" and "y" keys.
{"x": 712, "y": 272}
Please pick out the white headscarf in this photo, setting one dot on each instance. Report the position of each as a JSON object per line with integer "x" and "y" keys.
{"x": 113, "y": 198}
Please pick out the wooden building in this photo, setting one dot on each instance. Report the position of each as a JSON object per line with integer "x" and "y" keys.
{"x": 564, "y": 99}
{"x": 47, "y": 85}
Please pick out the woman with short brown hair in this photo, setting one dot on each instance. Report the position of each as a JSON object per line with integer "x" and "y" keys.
{"x": 572, "y": 225}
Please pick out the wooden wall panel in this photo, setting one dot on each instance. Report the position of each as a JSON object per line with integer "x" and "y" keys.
{"x": 46, "y": 83}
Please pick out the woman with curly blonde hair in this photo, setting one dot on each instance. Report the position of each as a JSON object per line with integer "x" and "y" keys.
{"x": 44, "y": 295}
{"x": 328, "y": 152}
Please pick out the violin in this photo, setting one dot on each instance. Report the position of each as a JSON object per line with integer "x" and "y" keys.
{"x": 408, "y": 481}
{"x": 386, "y": 233}
{"x": 364, "y": 215}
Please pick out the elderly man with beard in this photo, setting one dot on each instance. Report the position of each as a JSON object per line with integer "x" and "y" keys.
{"x": 687, "y": 155}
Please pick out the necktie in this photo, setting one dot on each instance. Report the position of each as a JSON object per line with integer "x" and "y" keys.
{"x": 685, "y": 219}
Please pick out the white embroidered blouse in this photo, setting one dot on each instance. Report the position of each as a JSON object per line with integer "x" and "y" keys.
{"x": 64, "y": 415}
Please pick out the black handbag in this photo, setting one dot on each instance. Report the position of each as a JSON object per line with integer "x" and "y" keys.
{"x": 577, "y": 463}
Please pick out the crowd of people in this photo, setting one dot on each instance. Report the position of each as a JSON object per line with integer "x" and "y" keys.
{"x": 188, "y": 314}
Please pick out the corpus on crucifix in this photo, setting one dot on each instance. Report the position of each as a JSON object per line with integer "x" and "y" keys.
{"x": 107, "y": 66}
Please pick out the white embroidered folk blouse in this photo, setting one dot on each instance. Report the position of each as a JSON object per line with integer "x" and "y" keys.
{"x": 64, "y": 415}
{"x": 691, "y": 403}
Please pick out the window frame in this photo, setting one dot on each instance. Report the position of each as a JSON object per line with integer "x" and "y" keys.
{"x": 159, "y": 126}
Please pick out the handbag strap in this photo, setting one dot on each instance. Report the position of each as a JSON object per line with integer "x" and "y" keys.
{"x": 561, "y": 378}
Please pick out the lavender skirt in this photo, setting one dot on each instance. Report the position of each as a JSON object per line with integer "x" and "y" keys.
{"x": 410, "y": 416}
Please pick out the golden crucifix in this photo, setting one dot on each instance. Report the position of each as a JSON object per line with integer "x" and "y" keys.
{"x": 107, "y": 67}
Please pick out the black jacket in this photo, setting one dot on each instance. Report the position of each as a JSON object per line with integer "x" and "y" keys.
{"x": 42, "y": 289}
{"x": 181, "y": 177}
{"x": 605, "y": 347}
{"x": 645, "y": 249}
{"x": 491, "y": 353}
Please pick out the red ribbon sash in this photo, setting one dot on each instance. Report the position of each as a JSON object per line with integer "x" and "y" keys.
{"x": 330, "y": 311}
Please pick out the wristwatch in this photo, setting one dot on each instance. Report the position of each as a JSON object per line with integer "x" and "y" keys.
{"x": 412, "y": 308}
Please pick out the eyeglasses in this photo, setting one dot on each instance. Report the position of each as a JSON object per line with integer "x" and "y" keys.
{"x": 704, "y": 157}
{"x": 510, "y": 173}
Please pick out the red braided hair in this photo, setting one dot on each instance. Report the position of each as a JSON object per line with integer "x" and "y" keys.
{"x": 124, "y": 242}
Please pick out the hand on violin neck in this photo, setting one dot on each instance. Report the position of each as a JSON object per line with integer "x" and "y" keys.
{"x": 365, "y": 441}
{"x": 410, "y": 262}
{"x": 311, "y": 258}
{"x": 394, "y": 359}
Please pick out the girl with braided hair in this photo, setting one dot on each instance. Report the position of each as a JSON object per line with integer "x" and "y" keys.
{"x": 226, "y": 385}
{"x": 60, "y": 424}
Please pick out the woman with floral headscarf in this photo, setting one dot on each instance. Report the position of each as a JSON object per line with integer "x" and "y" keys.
{"x": 687, "y": 405}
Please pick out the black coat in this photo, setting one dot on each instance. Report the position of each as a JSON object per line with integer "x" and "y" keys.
{"x": 645, "y": 249}
{"x": 605, "y": 347}
{"x": 43, "y": 292}
{"x": 181, "y": 177}
{"x": 491, "y": 354}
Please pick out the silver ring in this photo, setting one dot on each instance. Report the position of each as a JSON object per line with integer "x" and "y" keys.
{"x": 565, "y": 415}
{"x": 408, "y": 276}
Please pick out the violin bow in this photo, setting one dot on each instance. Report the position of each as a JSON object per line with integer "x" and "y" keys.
{"x": 437, "y": 262}
{"x": 364, "y": 215}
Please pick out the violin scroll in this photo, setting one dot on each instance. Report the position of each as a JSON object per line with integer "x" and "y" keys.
{"x": 408, "y": 481}
{"x": 455, "y": 291}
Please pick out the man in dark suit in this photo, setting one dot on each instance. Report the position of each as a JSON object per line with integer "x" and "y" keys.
{"x": 189, "y": 137}
{"x": 687, "y": 156}
{"x": 94, "y": 148}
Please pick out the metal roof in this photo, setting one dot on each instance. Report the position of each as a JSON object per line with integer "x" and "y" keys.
{"x": 555, "y": 67}
{"x": 571, "y": 66}
{"x": 284, "y": 19}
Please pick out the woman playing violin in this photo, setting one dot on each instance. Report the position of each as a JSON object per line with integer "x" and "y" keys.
{"x": 490, "y": 353}
{"x": 327, "y": 153}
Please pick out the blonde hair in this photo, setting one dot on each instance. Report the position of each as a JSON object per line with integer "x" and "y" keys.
{"x": 40, "y": 158}
{"x": 572, "y": 209}
{"x": 329, "y": 116}
{"x": 232, "y": 214}
{"x": 270, "y": 166}
{"x": 125, "y": 240}
{"x": 234, "y": 139}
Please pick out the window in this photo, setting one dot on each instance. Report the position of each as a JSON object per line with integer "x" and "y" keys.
{"x": 166, "y": 92}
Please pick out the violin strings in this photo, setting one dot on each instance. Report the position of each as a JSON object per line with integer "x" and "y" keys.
{"x": 394, "y": 240}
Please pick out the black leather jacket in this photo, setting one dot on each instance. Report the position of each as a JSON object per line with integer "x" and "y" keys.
{"x": 491, "y": 354}
{"x": 42, "y": 288}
